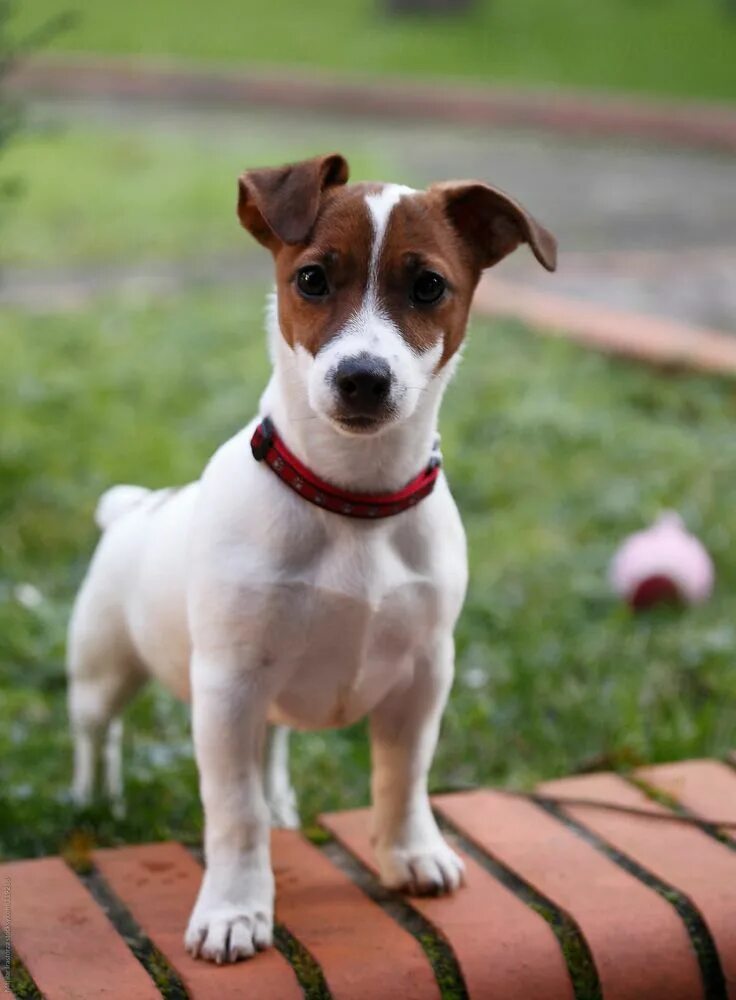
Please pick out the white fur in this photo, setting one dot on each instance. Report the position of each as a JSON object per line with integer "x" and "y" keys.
{"x": 117, "y": 501}
{"x": 380, "y": 205}
{"x": 263, "y": 608}
{"x": 371, "y": 330}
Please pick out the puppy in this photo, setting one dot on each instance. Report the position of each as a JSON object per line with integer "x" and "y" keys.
{"x": 315, "y": 572}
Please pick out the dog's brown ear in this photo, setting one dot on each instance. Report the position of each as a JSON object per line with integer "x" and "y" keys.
{"x": 279, "y": 205}
{"x": 492, "y": 224}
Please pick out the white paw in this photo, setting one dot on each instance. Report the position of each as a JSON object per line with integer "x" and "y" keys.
{"x": 422, "y": 870}
{"x": 228, "y": 933}
{"x": 284, "y": 811}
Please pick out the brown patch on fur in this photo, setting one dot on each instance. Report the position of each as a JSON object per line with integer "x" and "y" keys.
{"x": 419, "y": 237}
{"x": 493, "y": 224}
{"x": 341, "y": 243}
{"x": 306, "y": 215}
{"x": 456, "y": 230}
{"x": 279, "y": 205}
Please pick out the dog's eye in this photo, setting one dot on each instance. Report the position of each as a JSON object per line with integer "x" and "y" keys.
{"x": 312, "y": 282}
{"x": 428, "y": 288}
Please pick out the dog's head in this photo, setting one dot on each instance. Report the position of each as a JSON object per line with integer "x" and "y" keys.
{"x": 374, "y": 281}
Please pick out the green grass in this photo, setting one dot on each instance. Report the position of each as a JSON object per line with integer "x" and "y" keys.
{"x": 116, "y": 193}
{"x": 553, "y": 454}
{"x": 669, "y": 47}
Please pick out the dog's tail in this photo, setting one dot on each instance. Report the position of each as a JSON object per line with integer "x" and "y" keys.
{"x": 116, "y": 501}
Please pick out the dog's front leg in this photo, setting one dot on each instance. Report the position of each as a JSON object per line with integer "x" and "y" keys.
{"x": 410, "y": 850}
{"x": 233, "y": 915}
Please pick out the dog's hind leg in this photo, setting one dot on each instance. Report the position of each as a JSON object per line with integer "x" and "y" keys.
{"x": 114, "y": 766}
{"x": 103, "y": 675}
{"x": 87, "y": 742}
{"x": 95, "y": 703}
{"x": 280, "y": 793}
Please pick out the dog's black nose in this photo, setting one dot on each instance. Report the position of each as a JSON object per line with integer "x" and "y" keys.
{"x": 363, "y": 383}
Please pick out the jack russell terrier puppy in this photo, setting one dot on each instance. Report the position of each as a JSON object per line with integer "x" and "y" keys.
{"x": 314, "y": 574}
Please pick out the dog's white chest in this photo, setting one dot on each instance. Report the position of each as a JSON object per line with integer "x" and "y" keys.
{"x": 358, "y": 615}
{"x": 331, "y": 612}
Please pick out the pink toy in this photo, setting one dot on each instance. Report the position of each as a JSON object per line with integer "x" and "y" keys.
{"x": 662, "y": 563}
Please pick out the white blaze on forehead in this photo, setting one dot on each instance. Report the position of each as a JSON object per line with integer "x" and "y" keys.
{"x": 380, "y": 205}
{"x": 371, "y": 330}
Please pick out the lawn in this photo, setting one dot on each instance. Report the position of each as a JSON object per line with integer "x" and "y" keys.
{"x": 553, "y": 454}
{"x": 121, "y": 192}
{"x": 672, "y": 47}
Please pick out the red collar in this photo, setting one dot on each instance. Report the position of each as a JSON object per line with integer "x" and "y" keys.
{"x": 267, "y": 446}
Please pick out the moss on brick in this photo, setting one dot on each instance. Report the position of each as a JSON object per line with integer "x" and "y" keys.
{"x": 307, "y": 971}
{"x": 445, "y": 967}
{"x": 317, "y": 835}
{"x": 577, "y": 957}
{"x": 21, "y": 983}
{"x": 77, "y": 849}
{"x": 700, "y": 937}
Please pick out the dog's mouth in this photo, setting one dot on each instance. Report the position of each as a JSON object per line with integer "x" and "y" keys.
{"x": 360, "y": 424}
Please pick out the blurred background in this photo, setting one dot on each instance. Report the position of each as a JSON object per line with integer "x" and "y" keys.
{"x": 132, "y": 344}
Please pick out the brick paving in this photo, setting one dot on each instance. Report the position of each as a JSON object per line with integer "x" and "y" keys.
{"x": 563, "y": 899}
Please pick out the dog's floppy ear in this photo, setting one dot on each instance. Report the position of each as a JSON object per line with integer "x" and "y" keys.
{"x": 492, "y": 224}
{"x": 279, "y": 205}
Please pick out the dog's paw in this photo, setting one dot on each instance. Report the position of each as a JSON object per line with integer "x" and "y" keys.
{"x": 228, "y": 933}
{"x": 429, "y": 870}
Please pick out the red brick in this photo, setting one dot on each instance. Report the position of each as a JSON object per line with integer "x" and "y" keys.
{"x": 505, "y": 950}
{"x": 706, "y": 787}
{"x": 158, "y": 883}
{"x": 347, "y": 934}
{"x": 567, "y": 112}
{"x": 686, "y": 858}
{"x": 652, "y": 339}
{"x": 638, "y": 943}
{"x": 65, "y": 939}
{"x": 364, "y": 954}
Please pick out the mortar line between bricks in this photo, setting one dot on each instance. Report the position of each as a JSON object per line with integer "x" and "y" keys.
{"x": 575, "y": 950}
{"x": 713, "y": 830}
{"x": 701, "y": 940}
{"x": 439, "y": 953}
{"x": 17, "y": 976}
{"x": 140, "y": 945}
{"x": 538, "y": 798}
{"x": 306, "y": 968}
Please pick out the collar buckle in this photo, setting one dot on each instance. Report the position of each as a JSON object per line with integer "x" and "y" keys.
{"x": 262, "y": 439}
{"x": 435, "y": 458}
